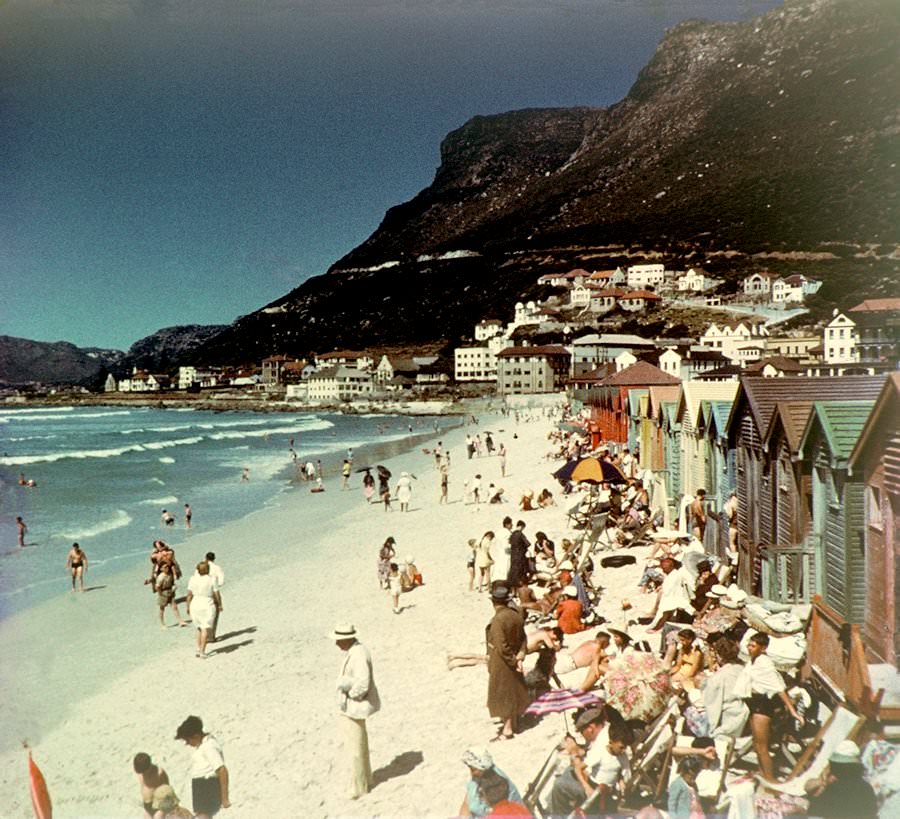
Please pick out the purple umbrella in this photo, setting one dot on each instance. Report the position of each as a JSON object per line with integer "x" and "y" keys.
{"x": 562, "y": 699}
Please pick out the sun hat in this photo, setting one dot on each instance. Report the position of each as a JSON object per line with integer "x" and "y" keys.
{"x": 478, "y": 758}
{"x": 570, "y": 591}
{"x": 596, "y": 713}
{"x": 847, "y": 752}
{"x": 343, "y": 631}
{"x": 566, "y": 564}
{"x": 410, "y": 559}
{"x": 164, "y": 798}
{"x": 717, "y": 591}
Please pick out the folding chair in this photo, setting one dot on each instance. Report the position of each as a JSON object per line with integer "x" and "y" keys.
{"x": 843, "y": 724}
{"x": 534, "y": 793}
{"x": 650, "y": 770}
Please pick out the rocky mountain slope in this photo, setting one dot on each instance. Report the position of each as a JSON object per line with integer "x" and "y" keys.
{"x": 166, "y": 348}
{"x": 779, "y": 134}
{"x": 23, "y": 361}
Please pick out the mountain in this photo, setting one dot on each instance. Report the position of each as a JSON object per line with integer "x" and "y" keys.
{"x": 166, "y": 348}
{"x": 23, "y": 361}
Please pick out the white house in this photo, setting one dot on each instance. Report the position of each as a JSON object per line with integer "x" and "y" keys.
{"x": 727, "y": 337}
{"x": 573, "y": 277}
{"x": 687, "y": 363}
{"x": 841, "y": 341}
{"x": 110, "y": 384}
{"x": 474, "y": 364}
{"x": 579, "y": 296}
{"x": 694, "y": 281}
{"x": 188, "y": 376}
{"x": 759, "y": 284}
{"x": 638, "y": 300}
{"x": 358, "y": 359}
{"x": 297, "y": 392}
{"x": 604, "y": 299}
{"x": 624, "y": 359}
{"x": 641, "y": 276}
{"x": 609, "y": 278}
{"x": 338, "y": 383}
{"x": 488, "y": 328}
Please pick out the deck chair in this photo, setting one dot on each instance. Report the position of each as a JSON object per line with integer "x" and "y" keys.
{"x": 590, "y": 536}
{"x": 843, "y": 724}
{"x": 650, "y": 770}
{"x": 534, "y": 797}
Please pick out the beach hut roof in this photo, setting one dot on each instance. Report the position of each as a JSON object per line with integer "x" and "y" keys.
{"x": 759, "y": 396}
{"x": 660, "y": 393}
{"x": 841, "y": 423}
{"x": 640, "y": 374}
{"x": 789, "y": 417}
{"x": 886, "y": 407}
{"x": 693, "y": 392}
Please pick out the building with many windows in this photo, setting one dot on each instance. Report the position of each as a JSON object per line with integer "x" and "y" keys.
{"x": 474, "y": 364}
{"x": 528, "y": 370}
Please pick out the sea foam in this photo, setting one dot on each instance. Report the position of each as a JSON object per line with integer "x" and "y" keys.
{"x": 117, "y": 520}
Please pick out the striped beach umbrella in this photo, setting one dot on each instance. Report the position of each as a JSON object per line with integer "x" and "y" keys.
{"x": 562, "y": 699}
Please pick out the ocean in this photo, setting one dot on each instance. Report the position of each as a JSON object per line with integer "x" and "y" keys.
{"x": 104, "y": 475}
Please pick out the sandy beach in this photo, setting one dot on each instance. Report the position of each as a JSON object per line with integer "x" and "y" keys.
{"x": 91, "y": 679}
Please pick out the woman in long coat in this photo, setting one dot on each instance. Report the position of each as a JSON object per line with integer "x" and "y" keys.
{"x": 506, "y": 646}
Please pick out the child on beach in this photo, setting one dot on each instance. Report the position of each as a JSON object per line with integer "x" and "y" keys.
{"x": 395, "y": 587}
{"x": 150, "y": 777}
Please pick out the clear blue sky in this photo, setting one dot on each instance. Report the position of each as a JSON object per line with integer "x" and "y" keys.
{"x": 167, "y": 162}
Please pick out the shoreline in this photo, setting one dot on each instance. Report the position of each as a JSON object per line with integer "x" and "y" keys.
{"x": 267, "y": 691}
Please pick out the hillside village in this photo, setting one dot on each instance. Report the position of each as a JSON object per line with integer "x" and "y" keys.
{"x": 554, "y": 343}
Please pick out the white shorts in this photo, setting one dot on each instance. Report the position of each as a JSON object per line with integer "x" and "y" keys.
{"x": 565, "y": 662}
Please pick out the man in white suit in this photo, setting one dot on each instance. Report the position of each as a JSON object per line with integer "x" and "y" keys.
{"x": 357, "y": 700}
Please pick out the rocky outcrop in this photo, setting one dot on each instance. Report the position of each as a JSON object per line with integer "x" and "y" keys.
{"x": 23, "y": 361}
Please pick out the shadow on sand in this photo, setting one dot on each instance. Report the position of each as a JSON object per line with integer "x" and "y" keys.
{"x": 399, "y": 766}
{"x": 229, "y": 649}
{"x": 93, "y": 588}
{"x": 230, "y": 634}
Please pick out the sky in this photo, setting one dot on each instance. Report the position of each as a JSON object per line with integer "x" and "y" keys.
{"x": 167, "y": 163}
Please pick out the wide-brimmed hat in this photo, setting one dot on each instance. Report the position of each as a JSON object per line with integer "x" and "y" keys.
{"x": 717, "y": 591}
{"x": 734, "y": 597}
{"x": 410, "y": 559}
{"x": 621, "y": 632}
{"x": 847, "y": 753}
{"x": 343, "y": 631}
{"x": 570, "y": 591}
{"x": 478, "y": 757}
{"x": 567, "y": 564}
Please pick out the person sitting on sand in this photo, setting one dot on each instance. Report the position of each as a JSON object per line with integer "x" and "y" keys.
{"x": 591, "y": 654}
{"x": 77, "y": 563}
{"x": 495, "y": 494}
{"x": 545, "y": 499}
{"x": 685, "y": 659}
{"x": 150, "y": 777}
{"x": 526, "y": 503}
{"x": 165, "y": 805}
{"x": 569, "y": 611}
{"x": 164, "y": 586}
{"x": 412, "y": 577}
{"x": 480, "y": 763}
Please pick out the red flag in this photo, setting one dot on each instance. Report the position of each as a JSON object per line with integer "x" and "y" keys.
{"x": 40, "y": 796}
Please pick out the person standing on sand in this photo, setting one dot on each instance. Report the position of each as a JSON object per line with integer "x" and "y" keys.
{"x": 77, "y": 563}
{"x": 345, "y": 475}
{"x": 404, "y": 491}
{"x": 445, "y": 482}
{"x": 150, "y": 777}
{"x": 506, "y": 647}
{"x": 22, "y": 529}
{"x": 188, "y": 514}
{"x": 209, "y": 776}
{"x": 164, "y": 586}
{"x": 502, "y": 453}
{"x": 357, "y": 700}
{"x": 218, "y": 576}
{"x": 202, "y": 602}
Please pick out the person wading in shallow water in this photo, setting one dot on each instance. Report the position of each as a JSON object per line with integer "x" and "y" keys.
{"x": 77, "y": 564}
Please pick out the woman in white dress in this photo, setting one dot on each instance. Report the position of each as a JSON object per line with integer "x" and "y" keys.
{"x": 203, "y": 601}
{"x": 484, "y": 560}
{"x": 404, "y": 491}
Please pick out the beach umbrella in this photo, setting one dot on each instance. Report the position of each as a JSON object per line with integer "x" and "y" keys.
{"x": 364, "y": 469}
{"x": 564, "y": 473}
{"x": 40, "y": 796}
{"x": 593, "y": 470}
{"x": 562, "y": 699}
{"x": 383, "y": 472}
{"x": 638, "y": 685}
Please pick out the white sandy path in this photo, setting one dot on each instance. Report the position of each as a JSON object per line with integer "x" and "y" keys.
{"x": 269, "y": 695}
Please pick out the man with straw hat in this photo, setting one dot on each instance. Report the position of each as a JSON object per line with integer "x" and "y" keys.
{"x": 357, "y": 700}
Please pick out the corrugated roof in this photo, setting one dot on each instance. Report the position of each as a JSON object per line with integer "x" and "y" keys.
{"x": 886, "y": 404}
{"x": 640, "y": 374}
{"x": 841, "y": 423}
{"x": 791, "y": 416}
{"x": 876, "y": 304}
{"x": 661, "y": 393}
{"x": 763, "y": 394}
{"x": 693, "y": 392}
{"x": 532, "y": 351}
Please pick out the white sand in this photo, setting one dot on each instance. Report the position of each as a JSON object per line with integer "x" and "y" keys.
{"x": 91, "y": 679}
